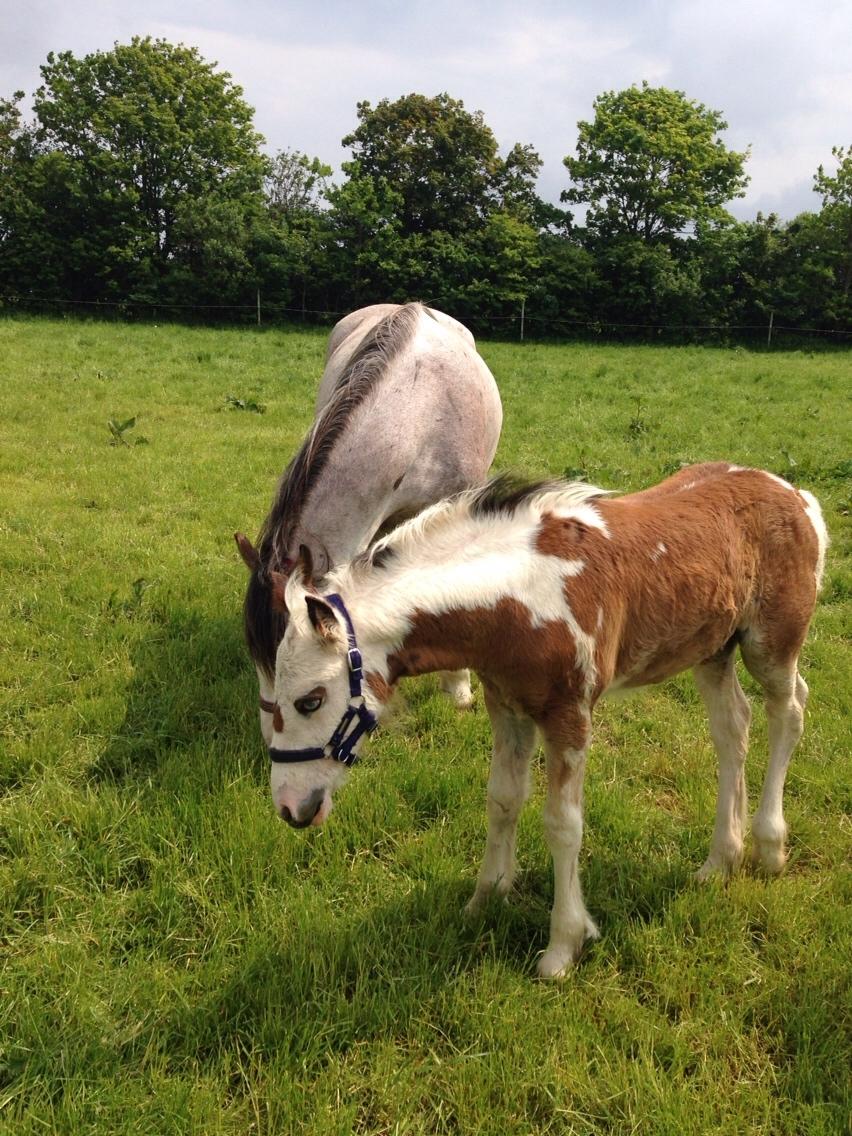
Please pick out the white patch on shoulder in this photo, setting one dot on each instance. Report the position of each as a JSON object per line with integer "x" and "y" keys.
{"x": 473, "y": 564}
{"x": 738, "y": 469}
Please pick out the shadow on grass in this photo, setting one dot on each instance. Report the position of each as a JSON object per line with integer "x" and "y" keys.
{"x": 191, "y": 687}
{"x": 380, "y": 970}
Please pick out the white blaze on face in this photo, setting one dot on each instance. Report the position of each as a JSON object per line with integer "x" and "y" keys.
{"x": 305, "y": 663}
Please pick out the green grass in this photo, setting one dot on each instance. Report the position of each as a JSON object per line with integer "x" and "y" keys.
{"x": 176, "y": 960}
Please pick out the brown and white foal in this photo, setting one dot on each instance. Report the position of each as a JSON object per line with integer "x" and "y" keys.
{"x": 557, "y": 594}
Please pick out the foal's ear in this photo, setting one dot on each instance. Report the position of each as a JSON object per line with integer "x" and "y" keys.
{"x": 247, "y": 550}
{"x": 323, "y": 620}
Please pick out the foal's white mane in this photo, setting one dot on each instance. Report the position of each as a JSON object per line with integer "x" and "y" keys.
{"x": 455, "y": 526}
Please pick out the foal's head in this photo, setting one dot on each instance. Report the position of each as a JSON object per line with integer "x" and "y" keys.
{"x": 319, "y": 702}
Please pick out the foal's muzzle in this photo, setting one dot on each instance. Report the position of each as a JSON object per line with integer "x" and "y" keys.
{"x": 307, "y": 810}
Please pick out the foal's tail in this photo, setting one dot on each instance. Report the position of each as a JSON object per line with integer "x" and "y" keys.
{"x": 814, "y": 514}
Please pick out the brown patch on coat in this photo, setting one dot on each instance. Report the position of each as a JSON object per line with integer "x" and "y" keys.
{"x": 277, "y": 719}
{"x": 532, "y": 670}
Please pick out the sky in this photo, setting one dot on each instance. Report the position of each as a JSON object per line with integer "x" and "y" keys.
{"x": 780, "y": 72}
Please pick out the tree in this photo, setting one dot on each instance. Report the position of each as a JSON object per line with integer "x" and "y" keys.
{"x": 38, "y": 235}
{"x": 836, "y": 218}
{"x": 430, "y": 209}
{"x": 10, "y": 161}
{"x": 141, "y": 135}
{"x": 443, "y": 162}
{"x": 650, "y": 165}
{"x": 289, "y": 248}
{"x": 440, "y": 159}
{"x": 295, "y": 184}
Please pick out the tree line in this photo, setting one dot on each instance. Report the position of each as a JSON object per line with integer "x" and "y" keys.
{"x": 141, "y": 181}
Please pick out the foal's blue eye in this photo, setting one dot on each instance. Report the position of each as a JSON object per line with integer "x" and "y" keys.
{"x": 311, "y": 702}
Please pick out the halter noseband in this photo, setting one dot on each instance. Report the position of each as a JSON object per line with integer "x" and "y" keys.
{"x": 357, "y": 720}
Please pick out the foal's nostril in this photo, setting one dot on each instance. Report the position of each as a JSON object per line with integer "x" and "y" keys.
{"x": 309, "y": 810}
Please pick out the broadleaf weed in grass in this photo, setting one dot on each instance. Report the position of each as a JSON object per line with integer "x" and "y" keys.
{"x": 232, "y": 402}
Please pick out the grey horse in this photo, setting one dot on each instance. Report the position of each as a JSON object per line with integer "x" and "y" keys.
{"x": 407, "y": 412}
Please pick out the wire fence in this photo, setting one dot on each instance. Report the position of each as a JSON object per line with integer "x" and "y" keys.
{"x": 520, "y": 325}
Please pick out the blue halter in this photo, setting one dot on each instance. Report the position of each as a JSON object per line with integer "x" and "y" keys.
{"x": 357, "y": 720}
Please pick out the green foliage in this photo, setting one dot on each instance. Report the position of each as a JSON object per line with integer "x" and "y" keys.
{"x": 650, "y": 164}
{"x": 430, "y": 209}
{"x": 140, "y": 183}
{"x": 130, "y": 147}
{"x": 119, "y": 429}
{"x": 294, "y": 184}
{"x": 440, "y": 159}
{"x": 176, "y": 960}
{"x": 232, "y": 402}
{"x": 836, "y": 228}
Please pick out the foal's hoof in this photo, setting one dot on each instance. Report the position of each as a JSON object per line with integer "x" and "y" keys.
{"x": 558, "y": 961}
{"x": 709, "y": 871}
{"x": 720, "y": 865}
{"x": 473, "y": 907}
{"x": 768, "y": 858}
{"x": 481, "y": 899}
{"x": 555, "y": 964}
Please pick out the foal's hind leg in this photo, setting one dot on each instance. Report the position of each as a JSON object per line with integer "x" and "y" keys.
{"x": 730, "y": 716}
{"x": 786, "y": 694}
{"x": 457, "y": 685}
{"x": 508, "y": 788}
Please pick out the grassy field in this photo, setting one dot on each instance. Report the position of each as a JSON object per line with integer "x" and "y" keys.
{"x": 176, "y": 960}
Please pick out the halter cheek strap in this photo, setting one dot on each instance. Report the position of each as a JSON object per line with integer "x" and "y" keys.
{"x": 356, "y": 721}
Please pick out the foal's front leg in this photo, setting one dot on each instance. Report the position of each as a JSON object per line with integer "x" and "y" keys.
{"x": 508, "y": 788}
{"x": 570, "y": 922}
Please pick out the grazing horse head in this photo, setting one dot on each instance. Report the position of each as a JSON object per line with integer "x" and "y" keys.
{"x": 322, "y": 704}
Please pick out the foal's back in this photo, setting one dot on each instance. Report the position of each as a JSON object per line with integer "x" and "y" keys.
{"x": 714, "y": 555}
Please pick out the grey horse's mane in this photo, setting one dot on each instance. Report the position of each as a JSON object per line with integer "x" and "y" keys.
{"x": 264, "y": 626}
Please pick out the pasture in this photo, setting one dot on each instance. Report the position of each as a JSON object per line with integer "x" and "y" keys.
{"x": 177, "y": 960}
